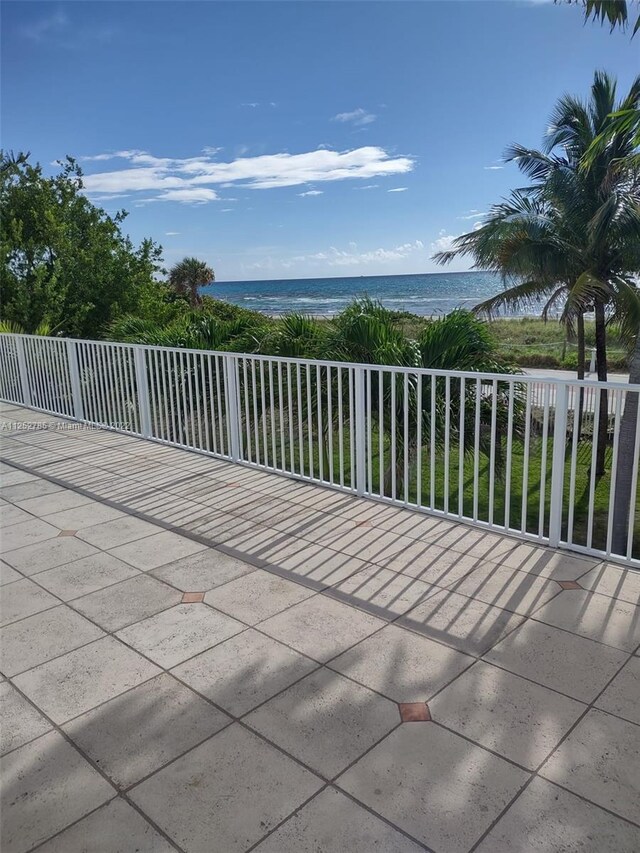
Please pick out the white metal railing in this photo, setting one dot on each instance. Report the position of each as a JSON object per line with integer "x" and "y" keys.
{"x": 552, "y": 461}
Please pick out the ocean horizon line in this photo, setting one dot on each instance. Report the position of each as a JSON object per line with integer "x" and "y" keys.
{"x": 340, "y": 277}
{"x": 427, "y": 295}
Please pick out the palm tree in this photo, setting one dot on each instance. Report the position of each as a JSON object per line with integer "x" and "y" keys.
{"x": 616, "y": 13}
{"x": 187, "y": 276}
{"x": 574, "y": 234}
{"x": 624, "y": 121}
{"x": 523, "y": 240}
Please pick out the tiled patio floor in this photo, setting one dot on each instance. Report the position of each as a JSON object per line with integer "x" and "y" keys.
{"x": 203, "y": 657}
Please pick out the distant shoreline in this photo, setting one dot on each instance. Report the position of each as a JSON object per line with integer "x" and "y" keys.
{"x": 277, "y": 315}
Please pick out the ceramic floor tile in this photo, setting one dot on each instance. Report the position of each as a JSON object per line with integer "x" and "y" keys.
{"x": 57, "y": 502}
{"x": 621, "y": 696}
{"x": 257, "y": 596}
{"x": 510, "y": 589}
{"x": 314, "y": 829}
{"x": 8, "y": 574}
{"x": 37, "y": 558}
{"x": 599, "y": 761}
{"x": 118, "y": 531}
{"x": 26, "y": 533}
{"x": 609, "y": 579}
{"x": 244, "y": 671}
{"x": 401, "y": 665}
{"x": 519, "y": 720}
{"x": 544, "y": 817}
{"x": 326, "y": 721}
{"x": 43, "y": 636}
{"x": 23, "y": 598}
{"x": 72, "y": 684}
{"x": 139, "y": 731}
{"x": 565, "y": 662}
{"x": 157, "y": 550}
{"x": 468, "y": 625}
{"x": 10, "y": 514}
{"x": 20, "y": 722}
{"x": 127, "y": 602}
{"x": 432, "y": 784}
{"x": 83, "y": 516}
{"x": 254, "y": 787}
{"x": 382, "y": 592}
{"x": 49, "y": 786}
{"x": 86, "y": 575}
{"x": 321, "y": 627}
{"x": 545, "y": 562}
{"x": 181, "y": 632}
{"x": 598, "y": 617}
{"x": 202, "y": 571}
{"x": 114, "y": 828}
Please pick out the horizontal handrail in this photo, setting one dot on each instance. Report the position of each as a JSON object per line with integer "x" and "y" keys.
{"x": 524, "y": 378}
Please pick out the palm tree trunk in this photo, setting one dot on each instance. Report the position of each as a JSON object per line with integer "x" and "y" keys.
{"x": 624, "y": 499}
{"x": 581, "y": 371}
{"x": 601, "y": 365}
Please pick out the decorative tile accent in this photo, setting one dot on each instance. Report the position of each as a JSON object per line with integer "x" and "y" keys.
{"x": 414, "y": 712}
{"x": 67, "y": 533}
{"x": 569, "y": 584}
{"x": 192, "y": 597}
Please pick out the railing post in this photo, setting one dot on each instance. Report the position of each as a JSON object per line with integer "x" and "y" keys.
{"x": 361, "y": 431}
{"x": 74, "y": 376}
{"x": 22, "y": 370}
{"x": 233, "y": 406}
{"x": 142, "y": 386}
{"x": 557, "y": 471}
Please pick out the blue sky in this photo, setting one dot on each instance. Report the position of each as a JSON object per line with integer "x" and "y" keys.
{"x": 295, "y": 139}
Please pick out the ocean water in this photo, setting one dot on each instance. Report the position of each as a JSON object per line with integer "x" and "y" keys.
{"x": 428, "y": 294}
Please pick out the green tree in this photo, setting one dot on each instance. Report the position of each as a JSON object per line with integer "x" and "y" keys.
{"x": 188, "y": 276}
{"x": 63, "y": 261}
{"x": 578, "y": 227}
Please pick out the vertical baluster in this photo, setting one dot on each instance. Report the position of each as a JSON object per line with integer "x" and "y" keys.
{"x": 461, "y": 448}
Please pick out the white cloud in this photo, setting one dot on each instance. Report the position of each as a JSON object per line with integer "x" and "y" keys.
{"x": 178, "y": 179}
{"x": 199, "y": 195}
{"x": 368, "y": 187}
{"x": 126, "y": 155}
{"x": 493, "y": 168}
{"x": 474, "y": 214}
{"x": 358, "y": 117}
{"x": 108, "y": 197}
{"x": 351, "y": 257}
{"x": 171, "y": 233}
{"x": 310, "y": 192}
{"x": 398, "y": 190}
{"x": 252, "y": 104}
{"x": 444, "y": 242}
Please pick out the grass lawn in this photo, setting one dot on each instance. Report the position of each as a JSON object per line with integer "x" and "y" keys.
{"x": 532, "y": 342}
{"x": 530, "y": 475}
